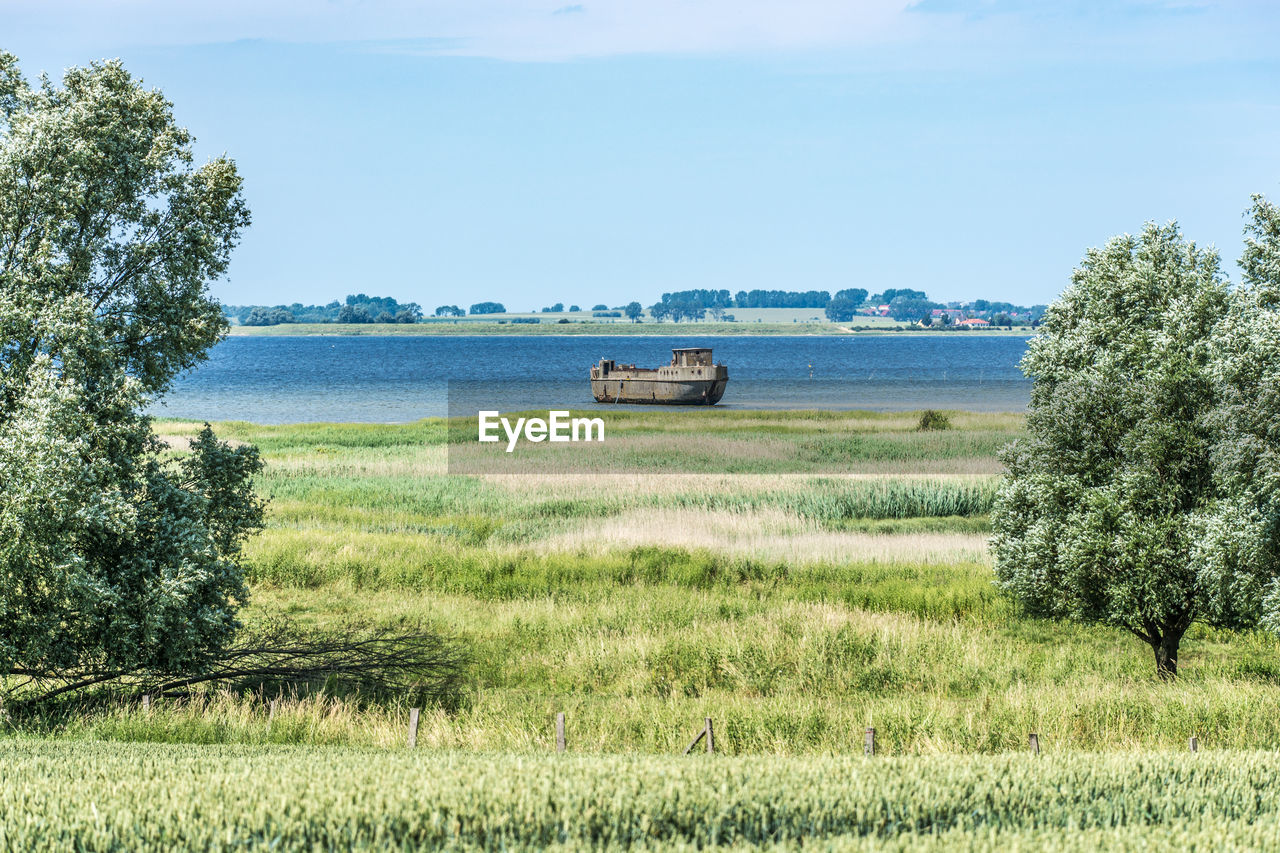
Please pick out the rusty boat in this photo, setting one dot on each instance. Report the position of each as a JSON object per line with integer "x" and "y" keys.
{"x": 690, "y": 379}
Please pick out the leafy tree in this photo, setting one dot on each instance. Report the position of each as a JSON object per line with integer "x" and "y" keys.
{"x": 574, "y": 309}
{"x": 634, "y": 311}
{"x": 260, "y": 316}
{"x": 842, "y": 309}
{"x": 856, "y": 295}
{"x": 1102, "y": 512}
{"x": 449, "y": 311}
{"x": 354, "y": 314}
{"x": 115, "y": 557}
{"x": 488, "y": 308}
{"x": 1238, "y": 553}
{"x": 600, "y": 307}
{"x": 910, "y": 308}
{"x": 893, "y": 293}
{"x": 1002, "y": 320}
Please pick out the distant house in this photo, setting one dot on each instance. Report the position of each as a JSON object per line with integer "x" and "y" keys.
{"x": 973, "y": 322}
{"x": 954, "y": 313}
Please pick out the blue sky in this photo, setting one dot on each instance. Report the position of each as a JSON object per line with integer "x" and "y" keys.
{"x": 526, "y": 152}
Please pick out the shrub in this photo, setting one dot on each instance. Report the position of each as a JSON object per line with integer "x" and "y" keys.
{"x": 931, "y": 419}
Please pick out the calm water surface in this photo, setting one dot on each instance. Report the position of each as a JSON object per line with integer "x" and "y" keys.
{"x": 397, "y": 379}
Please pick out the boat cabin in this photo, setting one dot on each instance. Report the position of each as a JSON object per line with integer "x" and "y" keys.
{"x": 691, "y": 357}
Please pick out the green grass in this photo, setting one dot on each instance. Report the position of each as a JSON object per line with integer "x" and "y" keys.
{"x": 794, "y": 605}
{"x": 94, "y": 796}
{"x": 796, "y": 608}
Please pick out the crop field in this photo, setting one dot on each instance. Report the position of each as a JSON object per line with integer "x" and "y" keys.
{"x": 149, "y": 796}
{"x": 796, "y": 576}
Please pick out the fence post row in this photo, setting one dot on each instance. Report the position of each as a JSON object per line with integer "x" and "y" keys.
{"x": 560, "y": 732}
{"x": 413, "y": 727}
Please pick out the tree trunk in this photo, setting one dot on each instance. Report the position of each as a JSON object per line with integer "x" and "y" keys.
{"x": 1167, "y": 657}
{"x": 1165, "y": 644}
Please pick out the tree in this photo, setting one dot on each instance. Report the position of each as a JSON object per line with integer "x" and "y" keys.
{"x": 909, "y": 308}
{"x": 892, "y": 293}
{"x": 1100, "y": 515}
{"x": 1238, "y": 550}
{"x": 600, "y": 307}
{"x": 633, "y": 311}
{"x": 488, "y": 308}
{"x": 449, "y": 311}
{"x": 354, "y": 314}
{"x": 115, "y": 557}
{"x": 261, "y": 316}
{"x": 842, "y": 309}
{"x": 856, "y": 295}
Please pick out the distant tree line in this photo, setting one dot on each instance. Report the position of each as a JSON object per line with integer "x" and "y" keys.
{"x": 902, "y": 304}
{"x": 905, "y": 305}
{"x": 358, "y": 308}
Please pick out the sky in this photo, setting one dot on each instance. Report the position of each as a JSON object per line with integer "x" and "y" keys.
{"x": 529, "y": 152}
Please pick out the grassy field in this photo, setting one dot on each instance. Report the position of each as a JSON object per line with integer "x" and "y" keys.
{"x": 796, "y": 607}
{"x": 796, "y": 576}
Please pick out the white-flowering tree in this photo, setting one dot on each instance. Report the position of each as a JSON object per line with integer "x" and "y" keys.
{"x": 1100, "y": 516}
{"x": 112, "y": 559}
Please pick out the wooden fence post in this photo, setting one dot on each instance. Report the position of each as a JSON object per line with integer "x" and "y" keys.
{"x": 560, "y": 732}
{"x": 275, "y": 706}
{"x": 1033, "y": 740}
{"x": 869, "y": 742}
{"x": 146, "y": 702}
{"x": 708, "y": 733}
{"x": 1195, "y": 744}
{"x": 413, "y": 727}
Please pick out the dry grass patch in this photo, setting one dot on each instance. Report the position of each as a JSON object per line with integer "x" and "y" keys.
{"x": 768, "y": 534}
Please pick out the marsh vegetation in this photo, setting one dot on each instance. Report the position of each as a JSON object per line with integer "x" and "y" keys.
{"x": 796, "y": 608}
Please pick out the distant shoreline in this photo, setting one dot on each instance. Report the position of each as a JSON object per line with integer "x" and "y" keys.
{"x": 728, "y": 330}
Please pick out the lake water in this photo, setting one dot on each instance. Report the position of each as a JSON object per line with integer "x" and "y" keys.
{"x": 397, "y": 379}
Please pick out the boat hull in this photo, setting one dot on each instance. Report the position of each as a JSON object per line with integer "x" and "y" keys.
{"x": 670, "y": 392}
